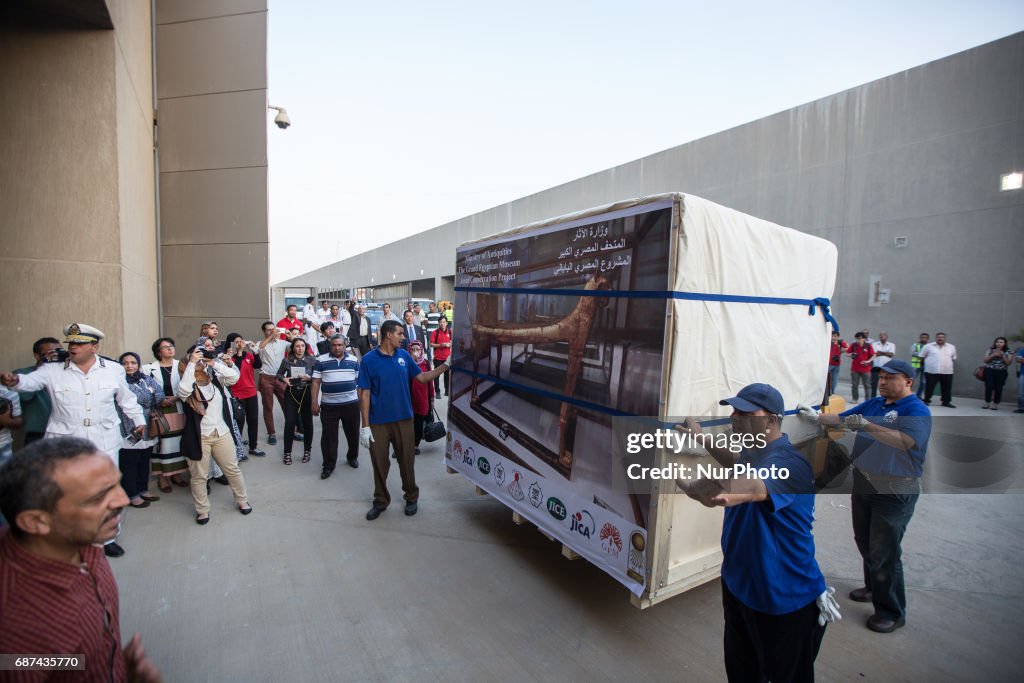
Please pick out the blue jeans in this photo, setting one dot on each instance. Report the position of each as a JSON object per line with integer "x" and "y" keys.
{"x": 1020, "y": 392}
{"x": 833, "y": 378}
{"x": 919, "y": 381}
{"x": 879, "y": 522}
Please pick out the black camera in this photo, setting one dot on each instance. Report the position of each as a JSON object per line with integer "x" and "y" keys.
{"x": 58, "y": 355}
{"x": 208, "y": 354}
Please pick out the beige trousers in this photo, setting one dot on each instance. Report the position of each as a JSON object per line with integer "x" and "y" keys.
{"x": 219, "y": 449}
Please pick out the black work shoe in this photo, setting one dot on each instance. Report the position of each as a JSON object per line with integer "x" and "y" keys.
{"x": 325, "y": 473}
{"x": 222, "y": 479}
{"x": 861, "y": 594}
{"x": 416, "y": 452}
{"x": 202, "y": 520}
{"x": 948, "y": 405}
{"x": 410, "y": 509}
{"x": 113, "y": 550}
{"x": 882, "y": 625}
{"x": 353, "y": 463}
{"x": 257, "y": 452}
{"x": 374, "y": 513}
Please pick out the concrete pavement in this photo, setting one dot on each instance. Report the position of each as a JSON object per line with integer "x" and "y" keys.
{"x": 305, "y": 589}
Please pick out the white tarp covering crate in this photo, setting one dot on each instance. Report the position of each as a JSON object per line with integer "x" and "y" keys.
{"x": 654, "y": 307}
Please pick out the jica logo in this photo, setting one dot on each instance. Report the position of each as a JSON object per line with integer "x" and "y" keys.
{"x": 556, "y": 509}
{"x": 483, "y": 465}
{"x": 468, "y": 456}
{"x": 582, "y": 523}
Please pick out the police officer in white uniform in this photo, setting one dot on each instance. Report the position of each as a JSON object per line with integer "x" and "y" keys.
{"x": 83, "y": 390}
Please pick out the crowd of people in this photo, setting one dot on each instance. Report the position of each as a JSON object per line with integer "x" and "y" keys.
{"x": 933, "y": 362}
{"x": 188, "y": 419}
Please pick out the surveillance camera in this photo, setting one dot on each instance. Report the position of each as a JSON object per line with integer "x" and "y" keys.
{"x": 282, "y": 119}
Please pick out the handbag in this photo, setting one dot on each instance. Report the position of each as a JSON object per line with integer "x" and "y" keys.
{"x": 238, "y": 409}
{"x": 433, "y": 430}
{"x": 165, "y": 424}
{"x": 979, "y": 373}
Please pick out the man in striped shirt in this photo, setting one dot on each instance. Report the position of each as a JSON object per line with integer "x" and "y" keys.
{"x": 335, "y": 375}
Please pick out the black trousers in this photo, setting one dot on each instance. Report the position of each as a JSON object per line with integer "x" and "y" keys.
{"x": 418, "y": 421}
{"x": 134, "y": 466}
{"x": 881, "y": 512}
{"x": 361, "y": 344}
{"x": 875, "y": 372}
{"x": 250, "y": 417}
{"x": 994, "y": 381}
{"x": 297, "y": 409}
{"x": 330, "y": 416}
{"x": 768, "y": 647}
{"x": 944, "y": 381}
{"x": 447, "y": 379}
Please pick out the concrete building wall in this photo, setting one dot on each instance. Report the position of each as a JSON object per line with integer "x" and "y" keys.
{"x": 77, "y": 178}
{"x": 918, "y": 155}
{"x": 212, "y": 104}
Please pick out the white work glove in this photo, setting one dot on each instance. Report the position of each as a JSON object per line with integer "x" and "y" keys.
{"x": 807, "y": 412}
{"x": 365, "y": 437}
{"x": 828, "y": 607}
{"x": 855, "y": 422}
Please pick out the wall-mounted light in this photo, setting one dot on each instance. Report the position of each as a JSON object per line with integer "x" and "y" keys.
{"x": 1011, "y": 181}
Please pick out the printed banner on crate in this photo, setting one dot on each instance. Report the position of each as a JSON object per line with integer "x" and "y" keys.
{"x": 614, "y": 544}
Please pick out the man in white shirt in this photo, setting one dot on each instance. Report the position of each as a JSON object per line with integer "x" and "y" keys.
{"x": 344, "y": 319}
{"x": 939, "y": 359}
{"x": 885, "y": 351}
{"x": 271, "y": 351}
{"x": 311, "y": 320}
{"x": 84, "y": 390}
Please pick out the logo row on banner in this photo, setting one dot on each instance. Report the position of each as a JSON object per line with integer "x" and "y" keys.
{"x": 614, "y": 544}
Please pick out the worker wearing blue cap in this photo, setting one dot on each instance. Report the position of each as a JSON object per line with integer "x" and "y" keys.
{"x": 888, "y": 459}
{"x": 774, "y": 596}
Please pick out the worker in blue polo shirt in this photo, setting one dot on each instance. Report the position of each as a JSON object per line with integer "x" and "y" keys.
{"x": 385, "y": 406}
{"x": 888, "y": 459}
{"x": 774, "y": 596}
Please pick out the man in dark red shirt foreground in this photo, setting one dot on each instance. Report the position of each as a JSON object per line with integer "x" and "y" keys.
{"x": 61, "y": 498}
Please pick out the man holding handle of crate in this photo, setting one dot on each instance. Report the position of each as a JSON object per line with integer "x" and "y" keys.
{"x": 773, "y": 593}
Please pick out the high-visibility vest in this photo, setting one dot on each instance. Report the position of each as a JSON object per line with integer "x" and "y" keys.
{"x": 915, "y": 359}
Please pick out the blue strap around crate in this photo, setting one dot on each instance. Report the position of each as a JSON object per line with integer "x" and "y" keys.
{"x": 812, "y": 304}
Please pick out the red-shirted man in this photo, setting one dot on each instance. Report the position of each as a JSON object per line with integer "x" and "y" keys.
{"x": 62, "y": 497}
{"x": 290, "y": 321}
{"x": 861, "y": 354}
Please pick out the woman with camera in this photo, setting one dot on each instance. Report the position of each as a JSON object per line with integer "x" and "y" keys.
{"x": 167, "y": 461}
{"x": 209, "y": 435}
{"x": 135, "y": 452}
{"x": 296, "y": 371}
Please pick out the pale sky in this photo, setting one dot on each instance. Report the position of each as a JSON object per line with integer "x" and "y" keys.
{"x": 408, "y": 115}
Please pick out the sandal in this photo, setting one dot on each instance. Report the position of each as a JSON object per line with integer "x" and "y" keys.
{"x": 287, "y": 458}
{"x": 306, "y": 456}
{"x": 164, "y": 485}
